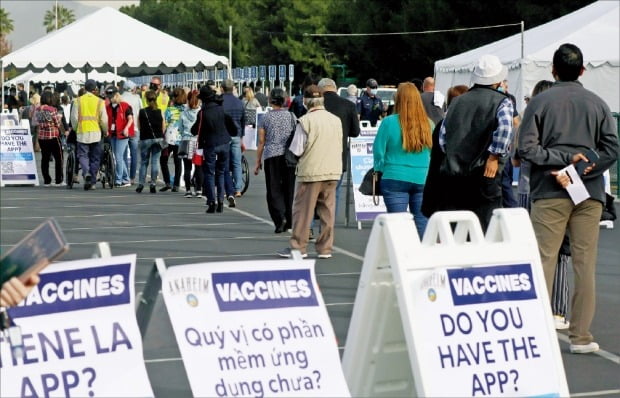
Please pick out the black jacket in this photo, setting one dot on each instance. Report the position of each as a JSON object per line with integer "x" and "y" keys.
{"x": 213, "y": 126}
{"x": 345, "y": 110}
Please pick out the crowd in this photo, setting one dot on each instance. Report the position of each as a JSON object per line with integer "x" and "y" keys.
{"x": 434, "y": 153}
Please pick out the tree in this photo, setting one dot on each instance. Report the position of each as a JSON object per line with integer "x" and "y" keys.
{"x": 65, "y": 17}
{"x": 6, "y": 27}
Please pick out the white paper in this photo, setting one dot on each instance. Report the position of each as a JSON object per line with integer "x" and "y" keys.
{"x": 576, "y": 189}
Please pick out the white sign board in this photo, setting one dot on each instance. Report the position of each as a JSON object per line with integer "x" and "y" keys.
{"x": 253, "y": 329}
{"x": 80, "y": 334}
{"x": 361, "y": 162}
{"x": 17, "y": 161}
{"x": 473, "y": 310}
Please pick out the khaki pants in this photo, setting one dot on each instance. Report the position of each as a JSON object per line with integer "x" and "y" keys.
{"x": 550, "y": 219}
{"x": 308, "y": 195}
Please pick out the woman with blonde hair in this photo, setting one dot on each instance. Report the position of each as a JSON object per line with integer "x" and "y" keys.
{"x": 250, "y": 105}
{"x": 401, "y": 152}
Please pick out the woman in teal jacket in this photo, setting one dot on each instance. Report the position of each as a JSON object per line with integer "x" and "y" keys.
{"x": 401, "y": 152}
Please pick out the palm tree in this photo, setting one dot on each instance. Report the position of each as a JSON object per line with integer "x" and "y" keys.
{"x": 65, "y": 17}
{"x": 6, "y": 23}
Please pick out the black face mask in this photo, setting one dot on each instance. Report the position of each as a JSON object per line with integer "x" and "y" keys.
{"x": 153, "y": 87}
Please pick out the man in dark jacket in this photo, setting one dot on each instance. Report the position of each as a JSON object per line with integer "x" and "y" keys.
{"x": 233, "y": 107}
{"x": 475, "y": 136}
{"x": 558, "y": 127}
{"x": 345, "y": 110}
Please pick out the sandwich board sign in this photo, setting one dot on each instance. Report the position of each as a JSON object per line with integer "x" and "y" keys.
{"x": 80, "y": 335}
{"x": 458, "y": 314}
{"x": 253, "y": 328}
{"x": 17, "y": 161}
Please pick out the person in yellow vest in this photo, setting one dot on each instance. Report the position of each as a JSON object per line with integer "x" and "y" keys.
{"x": 162, "y": 97}
{"x": 89, "y": 119}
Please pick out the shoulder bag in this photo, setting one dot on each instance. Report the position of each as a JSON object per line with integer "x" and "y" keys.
{"x": 371, "y": 185}
{"x": 162, "y": 143}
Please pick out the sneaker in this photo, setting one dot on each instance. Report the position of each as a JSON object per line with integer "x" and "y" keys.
{"x": 199, "y": 195}
{"x": 324, "y": 255}
{"x": 125, "y": 184}
{"x": 583, "y": 348}
{"x": 140, "y": 188}
{"x": 49, "y": 184}
{"x": 88, "y": 182}
{"x": 188, "y": 194}
{"x": 153, "y": 189}
{"x": 560, "y": 322}
{"x": 76, "y": 179}
{"x": 59, "y": 184}
{"x": 165, "y": 188}
{"x": 175, "y": 189}
{"x": 231, "y": 201}
{"x": 311, "y": 236}
{"x": 286, "y": 253}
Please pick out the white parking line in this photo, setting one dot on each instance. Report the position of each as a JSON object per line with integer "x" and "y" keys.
{"x": 143, "y": 226}
{"x": 602, "y": 353}
{"x": 596, "y": 393}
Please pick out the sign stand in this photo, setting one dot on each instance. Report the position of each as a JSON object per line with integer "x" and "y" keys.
{"x": 458, "y": 306}
{"x": 147, "y": 298}
{"x": 17, "y": 159}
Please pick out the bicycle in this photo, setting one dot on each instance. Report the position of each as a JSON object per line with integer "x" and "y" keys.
{"x": 107, "y": 166}
{"x": 70, "y": 165}
{"x": 245, "y": 174}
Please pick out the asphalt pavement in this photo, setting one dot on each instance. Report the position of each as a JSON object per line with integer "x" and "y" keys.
{"x": 169, "y": 226}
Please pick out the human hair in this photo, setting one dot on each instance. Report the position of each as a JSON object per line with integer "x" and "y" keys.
{"x": 35, "y": 99}
{"x": 414, "y": 123}
{"x": 179, "y": 96}
{"x": 455, "y": 91}
{"x": 65, "y": 100}
{"x": 81, "y": 91}
{"x": 151, "y": 99}
{"x": 249, "y": 93}
{"x": 116, "y": 98}
{"x": 327, "y": 83}
{"x": 277, "y": 96}
{"x": 56, "y": 99}
{"x": 352, "y": 90}
{"x": 568, "y": 62}
{"x": 541, "y": 86}
{"x": 192, "y": 99}
{"x": 47, "y": 98}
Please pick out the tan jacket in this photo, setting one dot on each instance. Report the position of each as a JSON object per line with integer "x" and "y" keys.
{"x": 322, "y": 157}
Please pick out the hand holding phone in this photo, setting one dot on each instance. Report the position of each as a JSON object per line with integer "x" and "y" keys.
{"x": 582, "y": 165}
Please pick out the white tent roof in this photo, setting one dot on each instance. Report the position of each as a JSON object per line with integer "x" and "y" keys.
{"x": 128, "y": 44}
{"x": 63, "y": 77}
{"x": 594, "y": 29}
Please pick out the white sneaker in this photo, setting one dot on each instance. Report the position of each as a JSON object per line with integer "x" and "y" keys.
{"x": 287, "y": 253}
{"x": 324, "y": 255}
{"x": 560, "y": 322}
{"x": 583, "y": 348}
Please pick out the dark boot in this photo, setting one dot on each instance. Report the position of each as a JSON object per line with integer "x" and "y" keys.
{"x": 140, "y": 188}
{"x": 211, "y": 208}
{"x": 220, "y": 207}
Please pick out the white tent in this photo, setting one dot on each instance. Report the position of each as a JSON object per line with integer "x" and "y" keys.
{"x": 63, "y": 77}
{"x": 110, "y": 41}
{"x": 594, "y": 29}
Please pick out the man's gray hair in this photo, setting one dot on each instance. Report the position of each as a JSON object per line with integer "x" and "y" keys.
{"x": 326, "y": 82}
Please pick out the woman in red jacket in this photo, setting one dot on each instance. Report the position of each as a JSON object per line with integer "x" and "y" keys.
{"x": 120, "y": 128}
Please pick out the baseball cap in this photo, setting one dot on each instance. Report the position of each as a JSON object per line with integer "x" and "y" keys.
{"x": 372, "y": 83}
{"x": 90, "y": 85}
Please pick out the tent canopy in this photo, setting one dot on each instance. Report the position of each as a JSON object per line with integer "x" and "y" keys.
{"x": 62, "y": 77}
{"x": 129, "y": 48}
{"x": 594, "y": 29}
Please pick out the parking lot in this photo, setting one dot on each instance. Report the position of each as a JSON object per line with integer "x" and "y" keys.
{"x": 169, "y": 226}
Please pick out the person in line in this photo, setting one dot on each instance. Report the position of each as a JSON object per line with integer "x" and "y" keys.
{"x": 318, "y": 143}
{"x": 120, "y": 129}
{"x": 347, "y": 114}
{"x": 29, "y": 112}
{"x": 233, "y": 107}
{"x": 214, "y": 129}
{"x": 22, "y": 97}
{"x": 508, "y": 197}
{"x": 370, "y": 107}
{"x": 128, "y": 95}
{"x": 436, "y": 189}
{"x": 89, "y": 119}
{"x": 432, "y": 100}
{"x": 162, "y": 95}
{"x": 401, "y": 152}
{"x": 151, "y": 126}
{"x": 250, "y": 106}
{"x": 273, "y": 133}
{"x": 475, "y": 136}
{"x": 260, "y": 96}
{"x": 558, "y": 127}
{"x": 50, "y": 128}
{"x": 352, "y": 95}
{"x": 193, "y": 187}
{"x": 297, "y": 104}
{"x": 171, "y": 117}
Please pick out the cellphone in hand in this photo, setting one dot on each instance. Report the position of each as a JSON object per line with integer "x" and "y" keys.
{"x": 582, "y": 165}
{"x": 34, "y": 252}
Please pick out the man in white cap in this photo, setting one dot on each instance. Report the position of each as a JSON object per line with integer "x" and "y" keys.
{"x": 475, "y": 136}
{"x": 128, "y": 94}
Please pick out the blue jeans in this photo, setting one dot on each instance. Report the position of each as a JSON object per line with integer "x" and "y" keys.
{"x": 132, "y": 163}
{"x": 234, "y": 183}
{"x": 215, "y": 167}
{"x": 89, "y": 156}
{"x": 397, "y": 195}
{"x": 119, "y": 147}
{"x": 149, "y": 150}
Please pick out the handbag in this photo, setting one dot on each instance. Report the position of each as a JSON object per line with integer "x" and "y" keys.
{"x": 183, "y": 152}
{"x": 371, "y": 185}
{"x": 289, "y": 157}
{"x": 197, "y": 158}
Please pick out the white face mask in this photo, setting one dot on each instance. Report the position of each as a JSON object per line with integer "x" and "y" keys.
{"x": 373, "y": 91}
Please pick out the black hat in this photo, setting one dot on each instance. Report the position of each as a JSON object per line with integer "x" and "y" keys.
{"x": 90, "y": 85}
{"x": 206, "y": 93}
{"x": 210, "y": 82}
{"x": 110, "y": 91}
{"x": 372, "y": 83}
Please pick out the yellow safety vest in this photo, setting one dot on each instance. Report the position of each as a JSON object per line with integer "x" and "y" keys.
{"x": 89, "y": 108}
{"x": 162, "y": 101}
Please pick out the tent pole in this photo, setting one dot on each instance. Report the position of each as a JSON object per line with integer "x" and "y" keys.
{"x": 229, "y": 51}
{"x": 115, "y": 74}
{"x": 2, "y": 83}
{"x": 522, "y": 40}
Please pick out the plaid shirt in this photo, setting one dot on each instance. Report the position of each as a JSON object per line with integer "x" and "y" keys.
{"x": 502, "y": 137}
{"x": 48, "y": 120}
